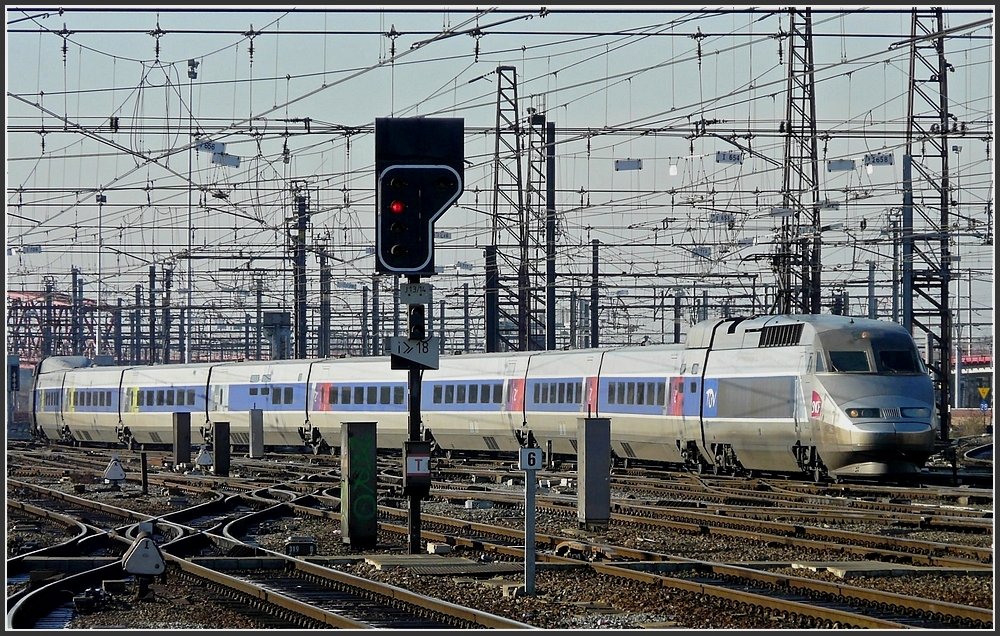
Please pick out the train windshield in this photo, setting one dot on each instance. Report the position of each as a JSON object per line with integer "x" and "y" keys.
{"x": 882, "y": 353}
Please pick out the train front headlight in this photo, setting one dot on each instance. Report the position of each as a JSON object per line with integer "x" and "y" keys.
{"x": 856, "y": 413}
{"x": 915, "y": 411}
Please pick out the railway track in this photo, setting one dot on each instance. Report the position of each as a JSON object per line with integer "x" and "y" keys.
{"x": 286, "y": 585}
{"x": 232, "y": 511}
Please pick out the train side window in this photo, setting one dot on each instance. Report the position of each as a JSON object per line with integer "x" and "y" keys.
{"x": 383, "y": 395}
{"x": 334, "y": 393}
{"x": 562, "y": 393}
{"x": 661, "y": 389}
{"x": 545, "y": 393}
{"x": 253, "y": 390}
{"x": 159, "y": 398}
{"x": 611, "y": 392}
{"x": 170, "y": 397}
{"x": 537, "y": 394}
{"x": 694, "y": 387}
{"x": 276, "y": 395}
{"x": 190, "y": 394}
{"x": 449, "y": 394}
{"x": 288, "y": 395}
{"x": 640, "y": 393}
{"x": 621, "y": 393}
{"x": 140, "y": 398}
{"x": 359, "y": 395}
{"x": 630, "y": 395}
{"x": 460, "y": 396}
{"x": 372, "y": 395}
{"x": 345, "y": 395}
{"x": 265, "y": 390}
{"x": 438, "y": 393}
{"x": 497, "y": 393}
{"x": 397, "y": 395}
{"x": 820, "y": 363}
{"x": 473, "y": 393}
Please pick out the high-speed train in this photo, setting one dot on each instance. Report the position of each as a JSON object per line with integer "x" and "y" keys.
{"x": 826, "y": 395}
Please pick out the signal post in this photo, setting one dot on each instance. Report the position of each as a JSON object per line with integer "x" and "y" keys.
{"x": 419, "y": 170}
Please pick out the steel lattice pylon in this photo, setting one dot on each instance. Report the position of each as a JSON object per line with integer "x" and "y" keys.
{"x": 925, "y": 224}
{"x": 509, "y": 306}
{"x": 800, "y": 230}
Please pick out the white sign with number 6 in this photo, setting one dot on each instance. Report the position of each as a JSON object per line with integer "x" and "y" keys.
{"x": 531, "y": 459}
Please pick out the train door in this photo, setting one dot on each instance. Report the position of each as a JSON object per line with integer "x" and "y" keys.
{"x": 803, "y": 401}
{"x": 685, "y": 400}
{"x": 513, "y": 412}
{"x": 220, "y": 397}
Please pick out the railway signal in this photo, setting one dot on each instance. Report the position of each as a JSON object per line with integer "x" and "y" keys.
{"x": 419, "y": 170}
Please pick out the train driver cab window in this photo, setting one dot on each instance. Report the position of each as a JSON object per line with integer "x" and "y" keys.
{"x": 849, "y": 362}
{"x": 898, "y": 361}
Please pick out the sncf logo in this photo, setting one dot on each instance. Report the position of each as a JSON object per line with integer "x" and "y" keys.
{"x": 817, "y": 405}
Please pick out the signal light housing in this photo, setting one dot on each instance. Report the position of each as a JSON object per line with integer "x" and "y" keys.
{"x": 409, "y": 199}
{"x": 419, "y": 168}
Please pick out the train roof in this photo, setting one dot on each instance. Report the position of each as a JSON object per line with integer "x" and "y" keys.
{"x": 701, "y": 334}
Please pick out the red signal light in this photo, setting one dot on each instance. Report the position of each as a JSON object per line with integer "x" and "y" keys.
{"x": 397, "y": 207}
